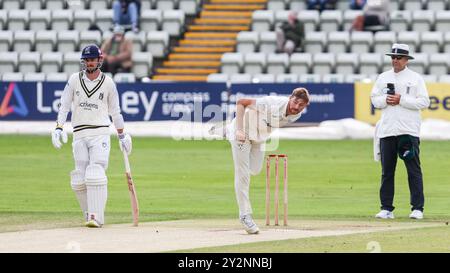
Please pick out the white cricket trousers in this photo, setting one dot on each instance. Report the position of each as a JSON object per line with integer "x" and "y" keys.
{"x": 92, "y": 150}
{"x": 248, "y": 160}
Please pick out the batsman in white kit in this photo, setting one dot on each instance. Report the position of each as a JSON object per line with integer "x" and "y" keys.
{"x": 248, "y": 132}
{"x": 92, "y": 97}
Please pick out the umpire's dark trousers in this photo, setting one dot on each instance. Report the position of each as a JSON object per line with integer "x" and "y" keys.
{"x": 389, "y": 152}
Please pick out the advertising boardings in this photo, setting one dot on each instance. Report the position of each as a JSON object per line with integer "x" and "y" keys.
{"x": 139, "y": 102}
{"x": 199, "y": 102}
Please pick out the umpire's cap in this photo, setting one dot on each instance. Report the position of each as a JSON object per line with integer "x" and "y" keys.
{"x": 400, "y": 50}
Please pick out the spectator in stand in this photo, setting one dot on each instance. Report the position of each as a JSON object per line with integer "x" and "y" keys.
{"x": 375, "y": 16}
{"x": 117, "y": 52}
{"x": 357, "y": 4}
{"x": 290, "y": 34}
{"x": 321, "y": 4}
{"x": 126, "y": 13}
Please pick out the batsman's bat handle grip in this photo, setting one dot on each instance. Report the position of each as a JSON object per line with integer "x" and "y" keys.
{"x": 127, "y": 163}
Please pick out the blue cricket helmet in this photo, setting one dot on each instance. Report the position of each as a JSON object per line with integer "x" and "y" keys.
{"x": 91, "y": 52}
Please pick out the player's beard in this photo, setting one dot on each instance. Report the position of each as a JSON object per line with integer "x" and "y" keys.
{"x": 90, "y": 71}
{"x": 94, "y": 68}
{"x": 292, "y": 111}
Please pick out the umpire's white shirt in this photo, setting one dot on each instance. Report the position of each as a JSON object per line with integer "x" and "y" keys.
{"x": 260, "y": 120}
{"x": 403, "y": 118}
{"x": 92, "y": 103}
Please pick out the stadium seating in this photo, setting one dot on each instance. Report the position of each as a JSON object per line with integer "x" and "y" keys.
{"x": 34, "y": 77}
{"x": 300, "y": 63}
{"x": 101, "y": 4}
{"x": 262, "y": 20}
{"x": 29, "y": 62}
{"x": 90, "y": 37}
{"x": 431, "y": 42}
{"x": 255, "y": 63}
{"x": 23, "y": 40}
{"x": 232, "y": 63}
{"x": 39, "y": 19}
{"x": 315, "y": 41}
{"x": 57, "y": 77}
{"x": 55, "y": 4}
{"x": 51, "y": 62}
{"x": 12, "y": 76}
{"x": 6, "y": 39}
{"x": 323, "y": 63}
{"x": 71, "y": 62}
{"x": 267, "y": 42}
{"x": 369, "y": 63}
{"x": 312, "y": 78}
{"x": 333, "y": 78}
{"x": 263, "y": 78}
{"x": 400, "y": 20}
{"x": 247, "y": 41}
{"x": 142, "y": 64}
{"x": 8, "y": 61}
{"x": 173, "y": 22}
{"x": 151, "y": 20}
{"x": 139, "y": 40}
{"x": 217, "y": 77}
{"x": 361, "y": 42}
{"x": 286, "y": 78}
{"x": 439, "y": 64}
{"x": 68, "y": 41}
{"x": 240, "y": 78}
{"x": 61, "y": 20}
{"x": 157, "y": 43}
{"x": 40, "y": 37}
{"x": 277, "y": 63}
{"x": 347, "y": 63}
{"x": 124, "y": 77}
{"x": 338, "y": 41}
{"x": 45, "y": 41}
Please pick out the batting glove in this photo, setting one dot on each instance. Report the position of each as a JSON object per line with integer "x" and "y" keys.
{"x": 125, "y": 143}
{"x": 59, "y": 135}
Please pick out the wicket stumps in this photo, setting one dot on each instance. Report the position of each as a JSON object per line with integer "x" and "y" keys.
{"x": 277, "y": 186}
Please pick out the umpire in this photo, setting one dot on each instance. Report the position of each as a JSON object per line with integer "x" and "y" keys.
{"x": 400, "y": 93}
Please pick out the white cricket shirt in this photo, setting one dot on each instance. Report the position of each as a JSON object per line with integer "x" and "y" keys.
{"x": 91, "y": 103}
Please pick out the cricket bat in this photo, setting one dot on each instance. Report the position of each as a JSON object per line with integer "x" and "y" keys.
{"x": 132, "y": 190}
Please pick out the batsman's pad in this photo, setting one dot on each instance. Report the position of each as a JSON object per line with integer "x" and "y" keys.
{"x": 77, "y": 180}
{"x": 79, "y": 187}
{"x": 95, "y": 175}
{"x": 97, "y": 192}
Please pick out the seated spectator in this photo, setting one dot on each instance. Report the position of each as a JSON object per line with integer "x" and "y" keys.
{"x": 321, "y": 4}
{"x": 290, "y": 34}
{"x": 374, "y": 18}
{"x": 126, "y": 13}
{"x": 117, "y": 52}
{"x": 357, "y": 4}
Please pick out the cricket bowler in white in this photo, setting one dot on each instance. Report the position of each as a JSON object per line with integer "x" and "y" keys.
{"x": 92, "y": 97}
{"x": 251, "y": 128}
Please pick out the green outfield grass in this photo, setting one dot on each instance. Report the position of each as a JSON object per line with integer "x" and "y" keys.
{"x": 194, "y": 179}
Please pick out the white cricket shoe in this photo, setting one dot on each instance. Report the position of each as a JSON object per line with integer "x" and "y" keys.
{"x": 92, "y": 222}
{"x": 416, "y": 214}
{"x": 249, "y": 224}
{"x": 385, "y": 214}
